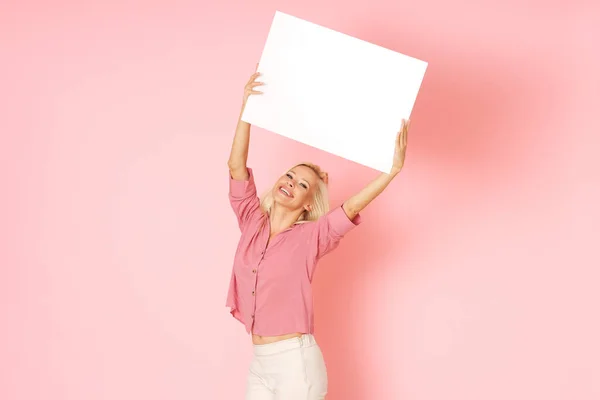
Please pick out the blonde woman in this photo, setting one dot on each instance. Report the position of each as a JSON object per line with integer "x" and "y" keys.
{"x": 283, "y": 235}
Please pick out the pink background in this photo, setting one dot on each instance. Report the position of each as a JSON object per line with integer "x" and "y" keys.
{"x": 474, "y": 276}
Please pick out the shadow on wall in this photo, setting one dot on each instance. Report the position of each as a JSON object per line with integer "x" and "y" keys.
{"x": 465, "y": 118}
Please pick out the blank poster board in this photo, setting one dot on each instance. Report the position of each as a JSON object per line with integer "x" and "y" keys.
{"x": 334, "y": 92}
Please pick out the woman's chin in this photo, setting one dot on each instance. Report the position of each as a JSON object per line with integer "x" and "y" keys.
{"x": 282, "y": 199}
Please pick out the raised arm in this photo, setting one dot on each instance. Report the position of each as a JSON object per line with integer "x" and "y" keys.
{"x": 241, "y": 140}
{"x": 359, "y": 201}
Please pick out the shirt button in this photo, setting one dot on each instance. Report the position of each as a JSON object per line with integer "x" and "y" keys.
{"x": 253, "y": 293}
{"x": 253, "y": 271}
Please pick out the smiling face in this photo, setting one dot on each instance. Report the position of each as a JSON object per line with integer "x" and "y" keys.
{"x": 295, "y": 189}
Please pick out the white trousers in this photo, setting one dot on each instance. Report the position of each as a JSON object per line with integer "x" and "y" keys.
{"x": 291, "y": 369}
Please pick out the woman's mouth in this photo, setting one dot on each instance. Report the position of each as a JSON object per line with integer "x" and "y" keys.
{"x": 285, "y": 192}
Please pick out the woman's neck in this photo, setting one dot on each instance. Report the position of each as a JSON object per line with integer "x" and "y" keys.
{"x": 281, "y": 218}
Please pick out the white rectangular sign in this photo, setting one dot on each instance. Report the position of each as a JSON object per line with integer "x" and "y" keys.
{"x": 334, "y": 92}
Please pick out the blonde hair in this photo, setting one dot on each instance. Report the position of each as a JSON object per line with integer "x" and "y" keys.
{"x": 320, "y": 203}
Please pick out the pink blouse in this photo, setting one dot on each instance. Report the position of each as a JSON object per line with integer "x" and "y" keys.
{"x": 270, "y": 289}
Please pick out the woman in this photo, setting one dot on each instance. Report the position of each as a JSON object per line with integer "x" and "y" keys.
{"x": 283, "y": 235}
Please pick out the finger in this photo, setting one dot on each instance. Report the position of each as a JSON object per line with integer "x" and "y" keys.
{"x": 253, "y": 77}
{"x": 253, "y": 92}
{"x": 251, "y": 86}
{"x": 404, "y": 132}
{"x": 256, "y": 67}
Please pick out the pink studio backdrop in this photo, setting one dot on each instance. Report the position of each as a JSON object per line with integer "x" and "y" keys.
{"x": 474, "y": 276}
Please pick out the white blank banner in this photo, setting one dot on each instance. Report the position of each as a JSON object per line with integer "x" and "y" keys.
{"x": 334, "y": 92}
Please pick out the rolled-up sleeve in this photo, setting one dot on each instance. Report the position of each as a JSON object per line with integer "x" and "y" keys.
{"x": 243, "y": 198}
{"x": 330, "y": 229}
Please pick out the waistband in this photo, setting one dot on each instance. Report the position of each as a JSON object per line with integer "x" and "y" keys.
{"x": 305, "y": 340}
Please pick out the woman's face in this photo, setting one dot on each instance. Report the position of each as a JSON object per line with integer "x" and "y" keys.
{"x": 295, "y": 189}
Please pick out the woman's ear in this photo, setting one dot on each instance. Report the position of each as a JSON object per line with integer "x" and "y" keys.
{"x": 308, "y": 207}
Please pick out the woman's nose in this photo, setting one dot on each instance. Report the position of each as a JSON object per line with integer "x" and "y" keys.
{"x": 290, "y": 184}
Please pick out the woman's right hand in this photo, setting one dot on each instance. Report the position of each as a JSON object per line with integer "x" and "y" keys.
{"x": 249, "y": 88}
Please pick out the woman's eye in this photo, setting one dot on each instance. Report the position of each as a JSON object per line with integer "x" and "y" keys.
{"x": 303, "y": 185}
{"x": 288, "y": 175}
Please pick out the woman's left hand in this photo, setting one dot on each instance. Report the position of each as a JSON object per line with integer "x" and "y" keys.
{"x": 401, "y": 142}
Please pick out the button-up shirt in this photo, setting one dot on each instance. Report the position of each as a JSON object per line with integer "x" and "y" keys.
{"x": 270, "y": 289}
